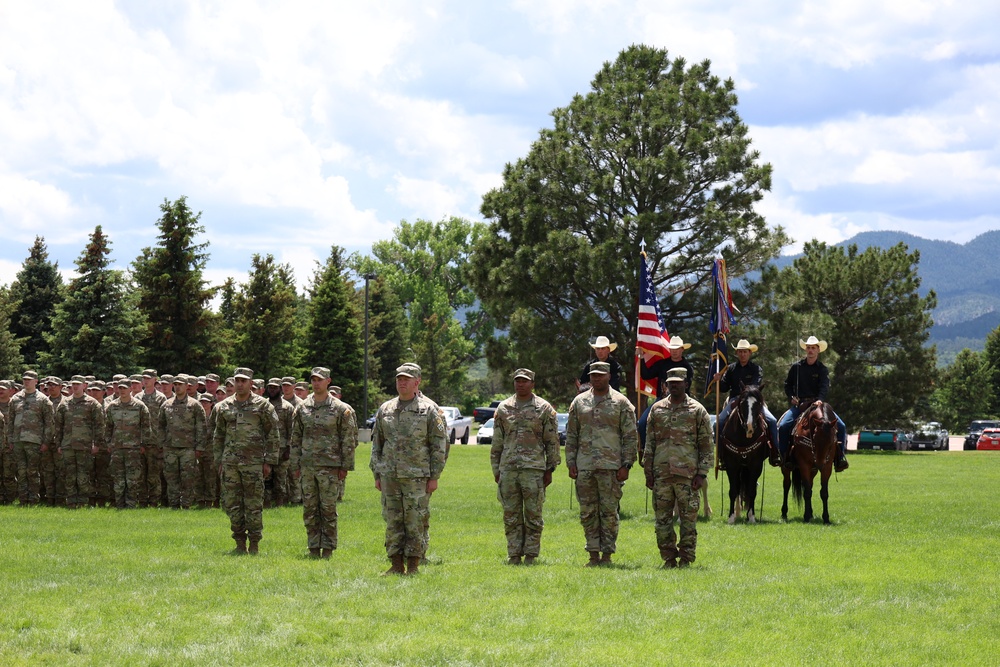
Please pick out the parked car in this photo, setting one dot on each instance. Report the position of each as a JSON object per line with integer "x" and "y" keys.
{"x": 562, "y": 421}
{"x": 976, "y": 429}
{"x": 989, "y": 440}
{"x": 883, "y": 439}
{"x": 481, "y": 415}
{"x": 485, "y": 434}
{"x": 370, "y": 422}
{"x": 930, "y": 436}
{"x": 459, "y": 427}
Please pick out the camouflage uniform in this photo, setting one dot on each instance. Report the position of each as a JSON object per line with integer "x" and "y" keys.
{"x": 149, "y": 490}
{"x": 29, "y": 428}
{"x": 8, "y": 468}
{"x": 79, "y": 428}
{"x": 182, "y": 434}
{"x": 324, "y": 437}
{"x": 601, "y": 437}
{"x": 101, "y": 486}
{"x": 207, "y": 486}
{"x": 51, "y": 469}
{"x": 128, "y": 433}
{"x": 280, "y": 473}
{"x": 294, "y": 485}
{"x": 408, "y": 450}
{"x": 525, "y": 446}
{"x": 678, "y": 447}
{"x": 245, "y": 438}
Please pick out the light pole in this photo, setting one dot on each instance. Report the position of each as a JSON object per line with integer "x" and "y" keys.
{"x": 368, "y": 276}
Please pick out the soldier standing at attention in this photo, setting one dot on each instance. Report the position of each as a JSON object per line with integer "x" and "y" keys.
{"x": 324, "y": 437}
{"x": 294, "y": 489}
{"x": 601, "y": 446}
{"x": 524, "y": 454}
{"x": 79, "y": 432}
{"x": 53, "y": 473}
{"x": 128, "y": 434}
{"x": 677, "y": 457}
{"x": 284, "y": 410}
{"x": 182, "y": 432}
{"x": 246, "y": 446}
{"x": 302, "y": 390}
{"x": 101, "y": 491}
{"x": 8, "y": 467}
{"x": 148, "y": 493}
{"x": 408, "y": 457}
{"x": 206, "y": 483}
{"x": 29, "y": 433}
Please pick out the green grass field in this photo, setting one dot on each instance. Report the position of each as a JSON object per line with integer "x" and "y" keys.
{"x": 906, "y": 575}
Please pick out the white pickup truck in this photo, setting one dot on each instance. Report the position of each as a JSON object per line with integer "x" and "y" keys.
{"x": 459, "y": 427}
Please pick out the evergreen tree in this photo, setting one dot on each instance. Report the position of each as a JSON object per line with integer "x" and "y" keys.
{"x": 265, "y": 320}
{"x": 181, "y": 331}
{"x": 11, "y": 361}
{"x": 35, "y": 293}
{"x": 991, "y": 356}
{"x": 94, "y": 328}
{"x": 388, "y": 337}
{"x": 963, "y": 393}
{"x": 333, "y": 336}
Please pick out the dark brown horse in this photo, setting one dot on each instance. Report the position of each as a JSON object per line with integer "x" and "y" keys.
{"x": 813, "y": 449}
{"x": 743, "y": 448}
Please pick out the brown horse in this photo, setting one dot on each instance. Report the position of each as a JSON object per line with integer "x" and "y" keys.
{"x": 813, "y": 449}
{"x": 743, "y": 448}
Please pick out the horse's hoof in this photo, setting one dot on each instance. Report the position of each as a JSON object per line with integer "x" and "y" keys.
{"x": 751, "y": 518}
{"x": 731, "y": 520}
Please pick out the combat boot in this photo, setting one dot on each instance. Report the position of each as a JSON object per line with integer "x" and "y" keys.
{"x": 413, "y": 565}
{"x": 326, "y": 554}
{"x": 253, "y": 548}
{"x": 529, "y": 560}
{"x": 397, "y": 565}
{"x": 514, "y": 560}
{"x": 595, "y": 559}
{"x": 241, "y": 545}
{"x": 314, "y": 552}
{"x": 669, "y": 563}
{"x": 605, "y": 560}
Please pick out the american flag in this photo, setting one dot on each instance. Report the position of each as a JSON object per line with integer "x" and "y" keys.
{"x": 722, "y": 319}
{"x": 651, "y": 334}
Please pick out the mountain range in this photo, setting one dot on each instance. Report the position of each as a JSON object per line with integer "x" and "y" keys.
{"x": 965, "y": 278}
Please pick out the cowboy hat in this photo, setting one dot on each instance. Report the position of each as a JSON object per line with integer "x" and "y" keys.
{"x": 812, "y": 340}
{"x": 602, "y": 341}
{"x": 744, "y": 344}
{"x": 676, "y": 343}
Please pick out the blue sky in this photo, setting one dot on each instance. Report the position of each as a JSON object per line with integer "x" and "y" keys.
{"x": 296, "y": 125}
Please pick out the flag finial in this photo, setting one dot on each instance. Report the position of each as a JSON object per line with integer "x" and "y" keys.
{"x": 642, "y": 246}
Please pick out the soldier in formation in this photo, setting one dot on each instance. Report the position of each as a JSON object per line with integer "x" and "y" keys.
{"x": 128, "y": 433}
{"x": 524, "y": 453}
{"x": 29, "y": 434}
{"x": 324, "y": 437}
{"x": 408, "y": 457}
{"x": 676, "y": 460}
{"x": 182, "y": 433}
{"x": 79, "y": 435}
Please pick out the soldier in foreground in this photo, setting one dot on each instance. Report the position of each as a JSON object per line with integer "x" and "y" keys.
{"x": 245, "y": 447}
{"x": 29, "y": 432}
{"x": 79, "y": 432}
{"x": 601, "y": 446}
{"x": 524, "y": 454}
{"x": 128, "y": 434}
{"x": 324, "y": 437}
{"x": 408, "y": 457}
{"x": 676, "y": 460}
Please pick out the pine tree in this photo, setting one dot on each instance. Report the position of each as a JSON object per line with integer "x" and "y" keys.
{"x": 265, "y": 320}
{"x": 388, "y": 335}
{"x": 333, "y": 336}
{"x": 94, "y": 328}
{"x": 11, "y": 361}
{"x": 35, "y": 293}
{"x": 181, "y": 331}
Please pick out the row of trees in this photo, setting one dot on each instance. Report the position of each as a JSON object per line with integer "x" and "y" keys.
{"x": 654, "y": 155}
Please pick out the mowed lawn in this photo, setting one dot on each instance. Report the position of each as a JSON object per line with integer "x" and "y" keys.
{"x": 906, "y": 575}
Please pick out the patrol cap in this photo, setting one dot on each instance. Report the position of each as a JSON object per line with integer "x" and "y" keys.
{"x": 409, "y": 370}
{"x": 135, "y": 378}
{"x": 96, "y": 384}
{"x": 29, "y": 375}
{"x": 288, "y": 379}
{"x": 179, "y": 379}
{"x": 334, "y": 389}
{"x": 243, "y": 373}
{"x": 6, "y": 384}
{"x": 524, "y": 373}
{"x": 77, "y": 379}
{"x": 126, "y": 383}
{"x": 54, "y": 380}
{"x": 599, "y": 367}
{"x": 322, "y": 372}
{"x": 230, "y": 381}
{"x": 274, "y": 382}
{"x": 201, "y": 379}
{"x": 301, "y": 385}
{"x": 212, "y": 377}
{"x": 206, "y": 398}
{"x": 677, "y": 375}
{"x": 119, "y": 376}
{"x": 258, "y": 383}
{"x": 191, "y": 380}
{"x": 149, "y": 373}
{"x": 90, "y": 378}
{"x": 167, "y": 378}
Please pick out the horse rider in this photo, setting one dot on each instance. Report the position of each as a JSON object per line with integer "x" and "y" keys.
{"x": 602, "y": 350}
{"x": 809, "y": 380}
{"x": 658, "y": 371}
{"x": 738, "y": 375}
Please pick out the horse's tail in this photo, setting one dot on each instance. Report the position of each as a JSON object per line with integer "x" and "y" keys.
{"x": 797, "y": 485}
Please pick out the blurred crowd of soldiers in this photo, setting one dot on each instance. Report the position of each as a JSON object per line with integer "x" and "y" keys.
{"x": 134, "y": 441}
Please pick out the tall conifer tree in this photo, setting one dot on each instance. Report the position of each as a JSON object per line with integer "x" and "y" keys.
{"x": 265, "y": 319}
{"x": 34, "y": 295}
{"x": 11, "y": 361}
